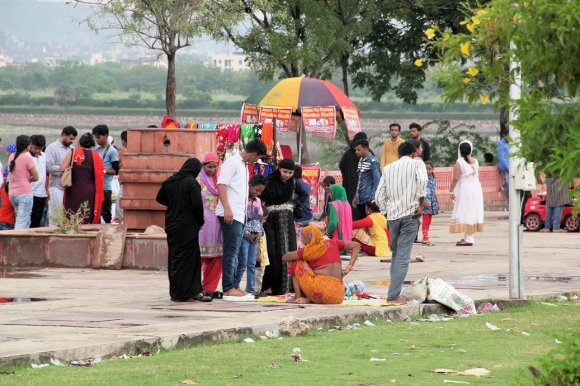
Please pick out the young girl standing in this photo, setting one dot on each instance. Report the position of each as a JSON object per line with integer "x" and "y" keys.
{"x": 431, "y": 204}
{"x": 253, "y": 231}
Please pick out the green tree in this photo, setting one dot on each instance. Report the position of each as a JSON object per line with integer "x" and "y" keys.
{"x": 299, "y": 37}
{"x": 395, "y": 41}
{"x": 161, "y": 25}
{"x": 541, "y": 39}
{"x": 64, "y": 95}
{"x": 196, "y": 97}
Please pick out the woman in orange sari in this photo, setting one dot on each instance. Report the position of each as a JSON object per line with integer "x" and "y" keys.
{"x": 316, "y": 269}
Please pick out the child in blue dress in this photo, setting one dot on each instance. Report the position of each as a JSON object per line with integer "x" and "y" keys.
{"x": 431, "y": 204}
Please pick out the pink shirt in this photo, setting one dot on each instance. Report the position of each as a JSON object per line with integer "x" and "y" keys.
{"x": 20, "y": 177}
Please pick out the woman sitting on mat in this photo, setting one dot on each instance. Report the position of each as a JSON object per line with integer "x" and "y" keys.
{"x": 373, "y": 234}
{"x": 316, "y": 269}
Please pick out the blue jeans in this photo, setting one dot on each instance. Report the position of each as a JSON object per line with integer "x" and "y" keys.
{"x": 247, "y": 260}
{"x": 232, "y": 235}
{"x": 5, "y": 226}
{"x": 403, "y": 233}
{"x": 22, "y": 209}
{"x": 553, "y": 218}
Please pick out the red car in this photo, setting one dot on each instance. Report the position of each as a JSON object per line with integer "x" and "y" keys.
{"x": 535, "y": 215}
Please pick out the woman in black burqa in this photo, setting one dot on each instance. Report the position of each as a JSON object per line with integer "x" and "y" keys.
{"x": 279, "y": 227}
{"x": 348, "y": 166}
{"x": 181, "y": 193}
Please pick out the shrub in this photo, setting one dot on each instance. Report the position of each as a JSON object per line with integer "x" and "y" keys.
{"x": 69, "y": 222}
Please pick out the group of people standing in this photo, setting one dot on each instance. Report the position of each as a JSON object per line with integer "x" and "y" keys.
{"x": 214, "y": 224}
{"x": 32, "y": 193}
{"x": 221, "y": 222}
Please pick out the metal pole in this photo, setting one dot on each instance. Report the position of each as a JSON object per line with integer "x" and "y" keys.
{"x": 275, "y": 139}
{"x": 300, "y": 141}
{"x": 516, "y": 279}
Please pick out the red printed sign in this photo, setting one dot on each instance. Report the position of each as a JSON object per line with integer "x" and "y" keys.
{"x": 320, "y": 121}
{"x": 249, "y": 113}
{"x": 311, "y": 175}
{"x": 282, "y": 115}
{"x": 350, "y": 115}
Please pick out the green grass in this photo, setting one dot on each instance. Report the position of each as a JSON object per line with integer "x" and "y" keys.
{"x": 342, "y": 357}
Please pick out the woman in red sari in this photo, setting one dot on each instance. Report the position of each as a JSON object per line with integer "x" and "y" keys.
{"x": 88, "y": 179}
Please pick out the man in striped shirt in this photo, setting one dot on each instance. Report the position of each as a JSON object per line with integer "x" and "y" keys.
{"x": 400, "y": 196}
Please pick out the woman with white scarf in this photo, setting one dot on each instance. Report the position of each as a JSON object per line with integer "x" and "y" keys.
{"x": 467, "y": 195}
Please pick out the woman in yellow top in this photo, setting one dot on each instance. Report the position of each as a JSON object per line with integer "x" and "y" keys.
{"x": 373, "y": 234}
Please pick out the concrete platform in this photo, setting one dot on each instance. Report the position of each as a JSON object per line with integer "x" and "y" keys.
{"x": 98, "y": 312}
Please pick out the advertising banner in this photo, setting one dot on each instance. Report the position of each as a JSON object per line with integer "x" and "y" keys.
{"x": 351, "y": 119}
{"x": 320, "y": 121}
{"x": 249, "y": 113}
{"x": 311, "y": 175}
{"x": 282, "y": 115}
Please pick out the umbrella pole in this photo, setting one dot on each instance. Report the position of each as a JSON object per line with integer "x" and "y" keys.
{"x": 274, "y": 148}
{"x": 300, "y": 128}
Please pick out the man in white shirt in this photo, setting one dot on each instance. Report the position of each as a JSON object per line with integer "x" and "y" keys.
{"x": 39, "y": 188}
{"x": 231, "y": 209}
{"x": 55, "y": 153}
{"x": 400, "y": 195}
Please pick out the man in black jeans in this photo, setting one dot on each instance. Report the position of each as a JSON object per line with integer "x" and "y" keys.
{"x": 110, "y": 157}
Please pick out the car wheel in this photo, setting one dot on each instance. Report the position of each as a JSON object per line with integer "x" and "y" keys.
{"x": 533, "y": 222}
{"x": 572, "y": 224}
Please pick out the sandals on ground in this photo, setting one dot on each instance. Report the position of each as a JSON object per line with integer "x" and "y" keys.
{"x": 201, "y": 297}
{"x": 463, "y": 243}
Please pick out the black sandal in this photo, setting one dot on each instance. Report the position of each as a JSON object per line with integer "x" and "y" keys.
{"x": 217, "y": 295}
{"x": 201, "y": 297}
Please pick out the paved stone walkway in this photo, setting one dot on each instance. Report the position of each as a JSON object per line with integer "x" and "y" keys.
{"x": 91, "y": 312}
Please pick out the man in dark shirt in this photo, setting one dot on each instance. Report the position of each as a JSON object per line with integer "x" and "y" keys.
{"x": 305, "y": 209}
{"x": 415, "y": 131}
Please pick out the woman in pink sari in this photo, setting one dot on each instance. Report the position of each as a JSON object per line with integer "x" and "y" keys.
{"x": 210, "y": 235}
{"x": 339, "y": 225}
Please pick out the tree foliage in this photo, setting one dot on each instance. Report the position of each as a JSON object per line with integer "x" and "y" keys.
{"x": 395, "y": 41}
{"x": 287, "y": 36}
{"x": 163, "y": 25}
{"x": 541, "y": 38}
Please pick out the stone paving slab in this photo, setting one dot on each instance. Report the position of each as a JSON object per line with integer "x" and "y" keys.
{"x": 98, "y": 312}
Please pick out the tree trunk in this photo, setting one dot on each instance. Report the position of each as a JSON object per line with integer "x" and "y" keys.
{"x": 170, "y": 86}
{"x": 344, "y": 65}
{"x": 504, "y": 120}
{"x": 305, "y": 159}
{"x": 345, "y": 87}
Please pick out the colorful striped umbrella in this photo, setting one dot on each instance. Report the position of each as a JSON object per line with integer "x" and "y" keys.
{"x": 304, "y": 91}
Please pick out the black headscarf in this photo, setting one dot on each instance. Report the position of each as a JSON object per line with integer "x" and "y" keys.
{"x": 277, "y": 190}
{"x": 286, "y": 163}
{"x": 357, "y": 137}
{"x": 190, "y": 168}
{"x": 348, "y": 168}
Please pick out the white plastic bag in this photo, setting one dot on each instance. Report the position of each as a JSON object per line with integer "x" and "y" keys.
{"x": 444, "y": 293}
{"x": 416, "y": 292}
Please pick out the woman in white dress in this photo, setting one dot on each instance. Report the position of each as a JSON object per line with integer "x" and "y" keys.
{"x": 467, "y": 217}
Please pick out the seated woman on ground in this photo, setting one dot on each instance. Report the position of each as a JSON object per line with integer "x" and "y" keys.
{"x": 373, "y": 234}
{"x": 338, "y": 224}
{"x": 316, "y": 269}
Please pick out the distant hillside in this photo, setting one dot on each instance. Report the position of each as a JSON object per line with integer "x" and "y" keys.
{"x": 33, "y": 30}
{"x": 39, "y": 21}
